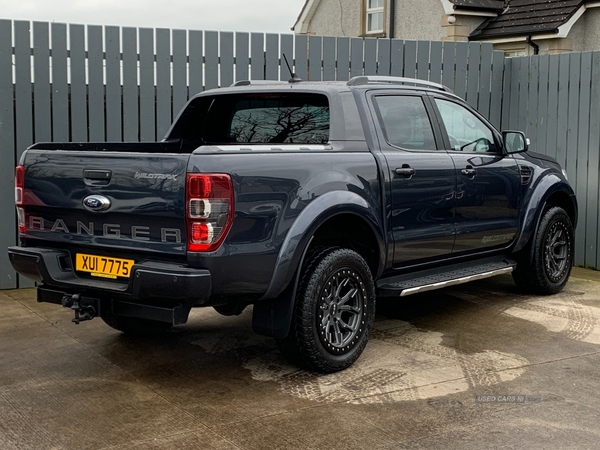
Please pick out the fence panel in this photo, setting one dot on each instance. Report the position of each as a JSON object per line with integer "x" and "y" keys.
{"x": 558, "y": 99}
{"x": 114, "y": 99}
{"x": 582, "y": 155}
{"x": 592, "y": 236}
{"x": 227, "y": 60}
{"x": 180, "y": 59}
{"x": 485, "y": 87}
{"x": 163, "y": 82}
{"x": 498, "y": 70}
{"x": 370, "y": 56}
{"x": 315, "y": 58}
{"x": 60, "y": 88}
{"x": 272, "y": 57}
{"x": 147, "y": 102}
{"x": 423, "y": 60}
{"x": 383, "y": 56}
{"x": 196, "y": 60}
{"x": 8, "y": 228}
{"x": 78, "y": 111}
{"x": 41, "y": 88}
{"x": 328, "y": 59}
{"x": 211, "y": 55}
{"x": 473, "y": 67}
{"x": 287, "y": 53}
{"x": 130, "y": 85}
{"x": 410, "y": 59}
{"x": 95, "y": 74}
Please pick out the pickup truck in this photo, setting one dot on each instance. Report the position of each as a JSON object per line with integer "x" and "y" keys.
{"x": 306, "y": 200}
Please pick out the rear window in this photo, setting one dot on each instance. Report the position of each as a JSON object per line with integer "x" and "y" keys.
{"x": 257, "y": 119}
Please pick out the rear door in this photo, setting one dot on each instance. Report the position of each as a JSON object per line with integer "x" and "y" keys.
{"x": 488, "y": 193}
{"x": 421, "y": 178}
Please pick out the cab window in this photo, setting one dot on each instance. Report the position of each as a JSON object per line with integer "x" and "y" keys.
{"x": 466, "y": 132}
{"x": 405, "y": 122}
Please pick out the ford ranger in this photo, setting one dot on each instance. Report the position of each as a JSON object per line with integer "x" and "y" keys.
{"x": 305, "y": 200}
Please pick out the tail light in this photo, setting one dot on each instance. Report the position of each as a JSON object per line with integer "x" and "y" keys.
{"x": 19, "y": 183}
{"x": 209, "y": 204}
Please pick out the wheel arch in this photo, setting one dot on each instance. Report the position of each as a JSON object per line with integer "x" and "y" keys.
{"x": 315, "y": 226}
{"x": 550, "y": 191}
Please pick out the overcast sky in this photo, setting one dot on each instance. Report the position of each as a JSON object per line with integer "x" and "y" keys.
{"x": 274, "y": 16}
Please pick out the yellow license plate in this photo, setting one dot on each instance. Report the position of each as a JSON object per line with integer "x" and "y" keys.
{"x": 103, "y": 266}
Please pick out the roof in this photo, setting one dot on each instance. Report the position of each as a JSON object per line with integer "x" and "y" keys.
{"x": 528, "y": 17}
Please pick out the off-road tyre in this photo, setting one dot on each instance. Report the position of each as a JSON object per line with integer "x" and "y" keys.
{"x": 136, "y": 326}
{"x": 549, "y": 270}
{"x": 333, "y": 313}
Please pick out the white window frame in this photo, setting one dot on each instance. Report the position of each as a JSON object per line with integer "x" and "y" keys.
{"x": 371, "y": 11}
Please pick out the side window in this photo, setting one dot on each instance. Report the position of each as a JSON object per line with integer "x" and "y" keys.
{"x": 465, "y": 131}
{"x": 405, "y": 122}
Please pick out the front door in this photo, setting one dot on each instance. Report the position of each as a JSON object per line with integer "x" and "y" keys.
{"x": 422, "y": 180}
{"x": 488, "y": 189}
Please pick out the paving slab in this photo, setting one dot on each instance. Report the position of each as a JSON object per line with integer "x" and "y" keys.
{"x": 473, "y": 366}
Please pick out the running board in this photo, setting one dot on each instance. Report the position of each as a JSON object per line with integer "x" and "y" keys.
{"x": 429, "y": 280}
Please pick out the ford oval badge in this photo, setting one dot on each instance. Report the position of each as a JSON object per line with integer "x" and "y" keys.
{"x": 96, "y": 203}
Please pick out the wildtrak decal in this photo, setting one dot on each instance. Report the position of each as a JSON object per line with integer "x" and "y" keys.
{"x": 498, "y": 238}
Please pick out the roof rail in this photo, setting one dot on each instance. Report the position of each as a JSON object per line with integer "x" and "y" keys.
{"x": 249, "y": 82}
{"x": 370, "y": 79}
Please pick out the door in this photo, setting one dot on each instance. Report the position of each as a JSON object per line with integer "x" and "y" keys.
{"x": 421, "y": 179}
{"x": 488, "y": 190}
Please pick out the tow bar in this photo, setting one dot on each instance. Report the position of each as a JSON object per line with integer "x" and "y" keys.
{"x": 84, "y": 308}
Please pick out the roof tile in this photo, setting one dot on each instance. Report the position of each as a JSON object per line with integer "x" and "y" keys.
{"x": 525, "y": 17}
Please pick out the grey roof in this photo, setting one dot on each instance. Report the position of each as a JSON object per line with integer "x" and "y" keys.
{"x": 528, "y": 17}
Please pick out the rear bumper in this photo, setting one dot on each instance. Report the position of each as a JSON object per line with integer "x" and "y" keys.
{"x": 150, "y": 280}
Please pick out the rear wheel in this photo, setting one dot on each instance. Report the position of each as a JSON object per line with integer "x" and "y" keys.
{"x": 334, "y": 312}
{"x": 550, "y": 268}
{"x": 135, "y": 325}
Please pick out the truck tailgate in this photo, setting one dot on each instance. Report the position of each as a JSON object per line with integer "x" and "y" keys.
{"x": 117, "y": 200}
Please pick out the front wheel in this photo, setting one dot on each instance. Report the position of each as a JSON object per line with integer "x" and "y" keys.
{"x": 334, "y": 312}
{"x": 552, "y": 255}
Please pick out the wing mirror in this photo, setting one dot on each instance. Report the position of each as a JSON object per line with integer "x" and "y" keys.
{"x": 515, "y": 142}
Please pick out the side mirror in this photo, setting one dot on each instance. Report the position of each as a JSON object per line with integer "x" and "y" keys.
{"x": 515, "y": 142}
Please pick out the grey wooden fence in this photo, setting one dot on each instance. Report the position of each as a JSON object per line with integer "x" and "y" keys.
{"x": 556, "y": 100}
{"x": 89, "y": 83}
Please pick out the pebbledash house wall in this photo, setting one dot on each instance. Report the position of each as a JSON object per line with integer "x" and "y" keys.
{"x": 414, "y": 19}
{"x": 426, "y": 20}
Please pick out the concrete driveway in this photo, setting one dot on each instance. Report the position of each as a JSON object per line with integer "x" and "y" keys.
{"x": 475, "y": 366}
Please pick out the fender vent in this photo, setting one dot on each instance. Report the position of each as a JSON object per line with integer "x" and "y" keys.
{"x": 526, "y": 173}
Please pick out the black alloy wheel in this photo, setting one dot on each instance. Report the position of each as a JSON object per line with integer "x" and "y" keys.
{"x": 334, "y": 311}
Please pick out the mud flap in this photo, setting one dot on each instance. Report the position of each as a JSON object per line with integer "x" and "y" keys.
{"x": 274, "y": 317}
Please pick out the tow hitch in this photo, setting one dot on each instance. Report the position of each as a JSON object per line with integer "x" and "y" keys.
{"x": 84, "y": 308}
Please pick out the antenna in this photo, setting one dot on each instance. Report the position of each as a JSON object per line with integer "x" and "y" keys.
{"x": 295, "y": 78}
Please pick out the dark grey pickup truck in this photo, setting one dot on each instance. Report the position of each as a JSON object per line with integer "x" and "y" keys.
{"x": 304, "y": 199}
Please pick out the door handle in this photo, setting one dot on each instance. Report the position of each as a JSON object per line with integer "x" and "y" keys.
{"x": 406, "y": 171}
{"x": 469, "y": 172}
{"x": 97, "y": 175}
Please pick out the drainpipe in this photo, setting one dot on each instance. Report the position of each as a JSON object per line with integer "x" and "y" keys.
{"x": 536, "y": 48}
{"x": 392, "y": 18}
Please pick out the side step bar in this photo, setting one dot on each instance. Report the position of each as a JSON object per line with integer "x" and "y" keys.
{"x": 429, "y": 280}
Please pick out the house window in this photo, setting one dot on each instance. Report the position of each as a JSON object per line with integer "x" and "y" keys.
{"x": 374, "y": 16}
